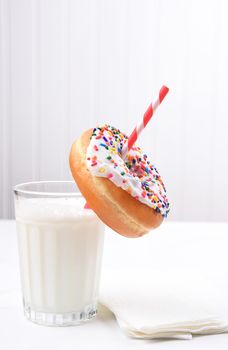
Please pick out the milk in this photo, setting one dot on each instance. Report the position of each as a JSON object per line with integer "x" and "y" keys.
{"x": 60, "y": 250}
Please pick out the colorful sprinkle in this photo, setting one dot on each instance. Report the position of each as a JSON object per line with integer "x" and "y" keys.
{"x": 103, "y": 145}
{"x": 128, "y": 189}
{"x": 102, "y": 170}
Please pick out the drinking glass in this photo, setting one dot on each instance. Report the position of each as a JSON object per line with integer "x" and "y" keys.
{"x": 60, "y": 252}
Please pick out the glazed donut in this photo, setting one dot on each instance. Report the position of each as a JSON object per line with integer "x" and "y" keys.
{"x": 127, "y": 195}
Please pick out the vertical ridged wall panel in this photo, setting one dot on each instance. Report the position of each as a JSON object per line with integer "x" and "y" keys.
{"x": 68, "y": 65}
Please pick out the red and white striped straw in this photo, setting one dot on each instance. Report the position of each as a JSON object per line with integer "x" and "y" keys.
{"x": 146, "y": 118}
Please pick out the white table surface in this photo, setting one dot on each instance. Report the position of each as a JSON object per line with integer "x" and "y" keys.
{"x": 171, "y": 241}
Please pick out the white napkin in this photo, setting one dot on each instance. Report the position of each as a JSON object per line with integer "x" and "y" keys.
{"x": 170, "y": 300}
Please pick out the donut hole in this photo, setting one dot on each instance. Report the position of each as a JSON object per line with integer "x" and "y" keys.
{"x": 139, "y": 166}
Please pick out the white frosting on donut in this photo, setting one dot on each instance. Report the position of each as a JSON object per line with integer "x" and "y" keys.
{"x": 135, "y": 174}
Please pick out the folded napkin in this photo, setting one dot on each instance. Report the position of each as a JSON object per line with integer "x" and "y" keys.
{"x": 165, "y": 303}
{"x": 170, "y": 285}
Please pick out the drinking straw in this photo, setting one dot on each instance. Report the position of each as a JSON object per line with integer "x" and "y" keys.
{"x": 144, "y": 121}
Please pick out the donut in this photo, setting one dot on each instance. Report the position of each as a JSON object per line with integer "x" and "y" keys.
{"x": 128, "y": 195}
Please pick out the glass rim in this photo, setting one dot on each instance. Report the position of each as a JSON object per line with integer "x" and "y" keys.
{"x": 18, "y": 189}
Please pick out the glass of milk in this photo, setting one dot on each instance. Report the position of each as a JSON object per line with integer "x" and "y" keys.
{"x": 60, "y": 251}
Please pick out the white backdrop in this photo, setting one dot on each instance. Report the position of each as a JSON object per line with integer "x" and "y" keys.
{"x": 67, "y": 65}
